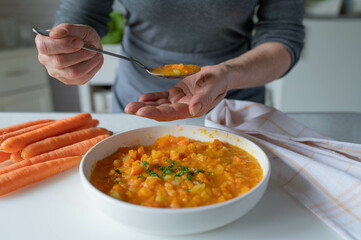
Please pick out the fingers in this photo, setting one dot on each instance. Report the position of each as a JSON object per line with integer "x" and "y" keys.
{"x": 209, "y": 90}
{"x": 59, "y": 31}
{"x": 176, "y": 94}
{"x": 79, "y": 73}
{"x": 133, "y": 107}
{"x": 50, "y": 46}
{"x": 63, "y": 57}
{"x": 153, "y": 96}
{"x": 164, "y": 112}
{"x": 60, "y": 61}
{"x": 67, "y": 38}
{"x": 84, "y": 32}
{"x": 204, "y": 100}
{"x": 80, "y": 31}
{"x": 89, "y": 75}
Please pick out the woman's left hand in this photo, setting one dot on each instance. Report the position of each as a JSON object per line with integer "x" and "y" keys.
{"x": 192, "y": 97}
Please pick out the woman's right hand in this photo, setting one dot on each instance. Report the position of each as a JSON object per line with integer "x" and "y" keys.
{"x": 62, "y": 56}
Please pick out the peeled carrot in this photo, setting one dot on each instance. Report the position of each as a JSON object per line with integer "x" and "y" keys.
{"x": 76, "y": 149}
{"x": 21, "y": 131}
{"x": 15, "y": 144}
{"x": 4, "y": 156}
{"x": 19, "y": 126}
{"x": 24, "y": 176}
{"x": 16, "y": 157}
{"x": 52, "y": 143}
{"x": 92, "y": 123}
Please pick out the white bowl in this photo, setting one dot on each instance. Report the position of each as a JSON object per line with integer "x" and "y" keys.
{"x": 166, "y": 221}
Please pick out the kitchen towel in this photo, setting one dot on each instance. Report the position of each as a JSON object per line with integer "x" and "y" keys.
{"x": 323, "y": 174}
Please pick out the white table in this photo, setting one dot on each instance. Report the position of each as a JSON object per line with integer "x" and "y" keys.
{"x": 57, "y": 208}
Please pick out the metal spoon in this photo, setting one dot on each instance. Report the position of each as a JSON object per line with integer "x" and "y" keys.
{"x": 45, "y": 33}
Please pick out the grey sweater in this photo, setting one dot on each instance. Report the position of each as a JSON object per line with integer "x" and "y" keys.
{"x": 196, "y": 27}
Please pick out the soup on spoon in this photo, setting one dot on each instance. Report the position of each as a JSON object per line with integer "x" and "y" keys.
{"x": 176, "y": 70}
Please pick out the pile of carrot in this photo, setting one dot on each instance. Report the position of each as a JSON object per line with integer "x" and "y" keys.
{"x": 42, "y": 148}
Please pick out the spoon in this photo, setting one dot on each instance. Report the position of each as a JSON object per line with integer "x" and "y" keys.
{"x": 149, "y": 71}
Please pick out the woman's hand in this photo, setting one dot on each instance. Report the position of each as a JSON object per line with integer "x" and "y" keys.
{"x": 62, "y": 56}
{"x": 193, "y": 96}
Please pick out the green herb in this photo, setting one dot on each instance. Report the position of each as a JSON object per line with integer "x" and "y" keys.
{"x": 153, "y": 174}
{"x": 176, "y": 169}
{"x": 188, "y": 190}
{"x": 178, "y": 174}
{"x": 117, "y": 170}
{"x": 141, "y": 176}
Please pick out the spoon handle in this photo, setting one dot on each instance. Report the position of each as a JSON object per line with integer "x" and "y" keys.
{"x": 46, "y": 34}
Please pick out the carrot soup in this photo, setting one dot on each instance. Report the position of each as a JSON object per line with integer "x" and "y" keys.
{"x": 176, "y": 69}
{"x": 177, "y": 172}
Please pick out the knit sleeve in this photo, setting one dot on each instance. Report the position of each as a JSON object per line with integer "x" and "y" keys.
{"x": 281, "y": 21}
{"x": 94, "y": 13}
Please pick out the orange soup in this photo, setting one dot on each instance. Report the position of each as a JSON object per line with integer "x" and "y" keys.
{"x": 177, "y": 172}
{"x": 176, "y": 69}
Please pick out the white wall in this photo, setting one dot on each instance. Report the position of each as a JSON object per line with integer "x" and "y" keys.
{"x": 38, "y": 12}
{"x": 328, "y": 75}
{"x": 41, "y": 13}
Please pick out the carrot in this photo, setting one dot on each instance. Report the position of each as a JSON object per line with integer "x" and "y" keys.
{"x": 19, "y": 126}
{"x": 21, "y": 131}
{"x": 16, "y": 157}
{"x": 76, "y": 149}
{"x": 15, "y": 144}
{"x": 92, "y": 123}
{"x": 21, "y": 177}
{"x": 4, "y": 156}
{"x": 52, "y": 143}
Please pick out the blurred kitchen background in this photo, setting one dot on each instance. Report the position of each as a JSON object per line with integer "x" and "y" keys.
{"x": 326, "y": 79}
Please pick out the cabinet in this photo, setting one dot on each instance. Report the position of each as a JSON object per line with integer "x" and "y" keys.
{"x": 24, "y": 83}
{"x": 35, "y": 100}
{"x": 328, "y": 76}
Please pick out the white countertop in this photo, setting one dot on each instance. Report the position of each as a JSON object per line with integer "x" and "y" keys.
{"x": 56, "y": 208}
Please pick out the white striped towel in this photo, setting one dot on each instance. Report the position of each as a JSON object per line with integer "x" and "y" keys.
{"x": 323, "y": 174}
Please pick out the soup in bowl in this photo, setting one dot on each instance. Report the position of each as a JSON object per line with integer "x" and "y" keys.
{"x": 175, "y": 179}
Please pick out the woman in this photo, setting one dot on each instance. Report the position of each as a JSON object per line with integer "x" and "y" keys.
{"x": 216, "y": 35}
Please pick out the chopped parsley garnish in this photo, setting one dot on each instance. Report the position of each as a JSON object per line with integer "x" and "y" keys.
{"x": 153, "y": 174}
{"x": 117, "y": 170}
{"x": 173, "y": 168}
{"x": 145, "y": 164}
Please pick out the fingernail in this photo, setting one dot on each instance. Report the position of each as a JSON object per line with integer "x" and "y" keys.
{"x": 58, "y": 33}
{"x": 196, "y": 109}
{"x": 77, "y": 43}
